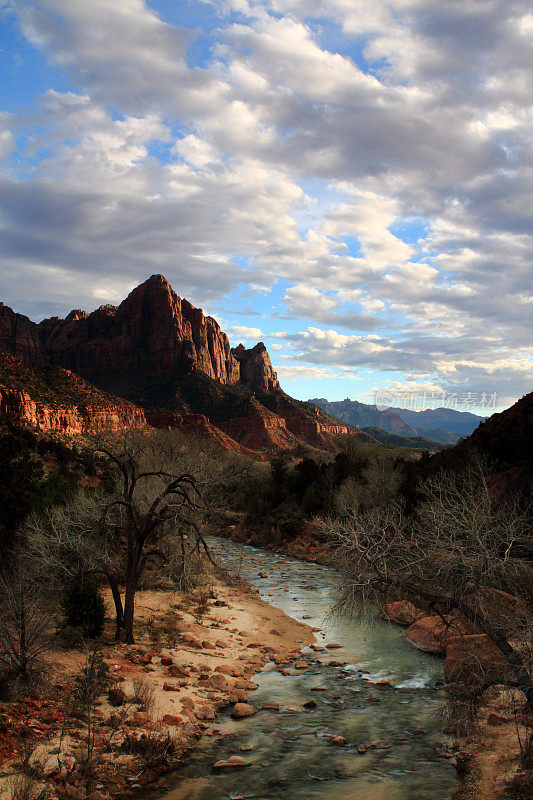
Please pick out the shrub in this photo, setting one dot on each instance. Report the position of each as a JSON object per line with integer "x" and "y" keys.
{"x": 116, "y": 696}
{"x": 154, "y": 748}
{"x": 92, "y": 680}
{"x": 84, "y": 608}
{"x": 144, "y": 693}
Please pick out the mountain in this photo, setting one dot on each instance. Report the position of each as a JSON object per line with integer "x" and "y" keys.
{"x": 157, "y": 351}
{"x": 460, "y": 423}
{"x": 151, "y": 334}
{"x": 442, "y": 425}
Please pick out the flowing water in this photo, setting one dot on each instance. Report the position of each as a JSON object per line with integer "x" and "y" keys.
{"x": 292, "y": 756}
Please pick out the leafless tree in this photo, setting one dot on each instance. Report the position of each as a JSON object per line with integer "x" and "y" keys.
{"x": 155, "y": 508}
{"x": 464, "y": 545}
{"x": 26, "y": 618}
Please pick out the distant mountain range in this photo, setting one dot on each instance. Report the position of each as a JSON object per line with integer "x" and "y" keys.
{"x": 442, "y": 425}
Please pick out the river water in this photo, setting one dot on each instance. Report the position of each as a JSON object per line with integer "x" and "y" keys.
{"x": 292, "y": 756}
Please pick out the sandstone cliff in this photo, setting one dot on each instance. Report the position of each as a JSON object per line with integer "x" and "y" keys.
{"x": 70, "y": 421}
{"x": 152, "y": 334}
{"x": 55, "y": 400}
{"x": 158, "y": 352}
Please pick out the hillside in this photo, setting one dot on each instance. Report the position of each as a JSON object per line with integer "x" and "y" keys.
{"x": 507, "y": 437}
{"x": 417, "y": 443}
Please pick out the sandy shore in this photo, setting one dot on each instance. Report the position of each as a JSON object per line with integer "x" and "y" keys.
{"x": 191, "y": 659}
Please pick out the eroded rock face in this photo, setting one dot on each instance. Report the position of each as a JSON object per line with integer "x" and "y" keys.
{"x": 152, "y": 333}
{"x": 71, "y": 421}
{"x": 19, "y": 336}
{"x": 255, "y": 367}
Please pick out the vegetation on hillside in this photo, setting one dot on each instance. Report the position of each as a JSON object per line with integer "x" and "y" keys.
{"x": 417, "y": 443}
{"x": 278, "y": 498}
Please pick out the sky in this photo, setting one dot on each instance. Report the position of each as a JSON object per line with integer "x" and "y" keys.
{"x": 349, "y": 181}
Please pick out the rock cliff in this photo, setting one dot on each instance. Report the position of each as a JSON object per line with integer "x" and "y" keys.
{"x": 152, "y": 334}
{"x": 52, "y": 399}
{"x": 71, "y": 421}
{"x": 158, "y": 352}
{"x": 255, "y": 367}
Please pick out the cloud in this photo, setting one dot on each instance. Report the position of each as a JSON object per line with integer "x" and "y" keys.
{"x": 242, "y": 332}
{"x": 377, "y": 157}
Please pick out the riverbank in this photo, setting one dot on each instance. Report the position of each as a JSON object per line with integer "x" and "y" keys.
{"x": 195, "y": 654}
{"x": 489, "y": 761}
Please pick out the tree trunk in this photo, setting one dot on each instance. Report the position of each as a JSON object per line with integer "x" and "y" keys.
{"x": 129, "y": 605}
{"x": 119, "y": 612}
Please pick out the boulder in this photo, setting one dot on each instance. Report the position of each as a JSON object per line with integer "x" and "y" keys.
{"x": 176, "y": 671}
{"x": 233, "y": 671}
{"x": 172, "y": 719}
{"x": 471, "y": 659}
{"x": 402, "y": 612}
{"x": 242, "y": 710}
{"x": 270, "y": 706}
{"x": 432, "y": 634}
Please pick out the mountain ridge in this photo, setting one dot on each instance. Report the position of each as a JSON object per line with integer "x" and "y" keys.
{"x": 162, "y": 355}
{"x": 153, "y": 332}
{"x": 444, "y": 426}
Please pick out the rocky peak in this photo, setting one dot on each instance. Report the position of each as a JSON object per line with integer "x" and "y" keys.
{"x": 152, "y": 334}
{"x": 255, "y": 367}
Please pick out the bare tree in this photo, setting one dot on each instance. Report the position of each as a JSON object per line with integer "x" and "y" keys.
{"x": 464, "y": 544}
{"x": 25, "y": 621}
{"x": 155, "y": 509}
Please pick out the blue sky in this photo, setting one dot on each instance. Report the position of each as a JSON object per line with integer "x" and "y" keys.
{"x": 349, "y": 182}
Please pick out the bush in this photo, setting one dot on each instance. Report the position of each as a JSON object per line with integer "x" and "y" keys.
{"x": 154, "y": 749}
{"x": 143, "y": 693}
{"x": 84, "y": 608}
{"x": 92, "y": 680}
{"x": 116, "y": 696}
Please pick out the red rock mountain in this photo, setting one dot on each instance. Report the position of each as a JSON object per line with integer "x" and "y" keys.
{"x": 157, "y": 351}
{"x": 151, "y": 334}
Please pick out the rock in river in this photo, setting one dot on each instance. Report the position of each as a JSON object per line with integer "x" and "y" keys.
{"x": 241, "y": 710}
{"x": 232, "y": 763}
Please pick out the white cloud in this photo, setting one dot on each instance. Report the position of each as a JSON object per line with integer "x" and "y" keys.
{"x": 242, "y": 332}
{"x": 282, "y": 158}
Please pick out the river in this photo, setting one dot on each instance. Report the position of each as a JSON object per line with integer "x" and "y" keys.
{"x": 292, "y": 756}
